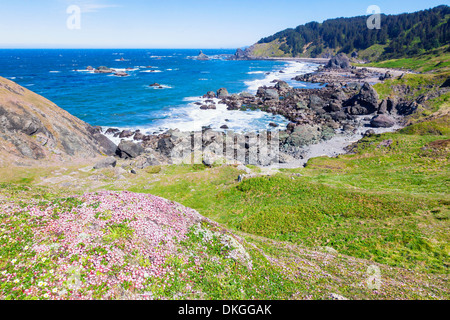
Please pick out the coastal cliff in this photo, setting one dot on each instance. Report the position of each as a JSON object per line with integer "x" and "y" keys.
{"x": 34, "y": 128}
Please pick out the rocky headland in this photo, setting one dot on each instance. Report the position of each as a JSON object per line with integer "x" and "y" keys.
{"x": 332, "y": 117}
{"x": 33, "y": 129}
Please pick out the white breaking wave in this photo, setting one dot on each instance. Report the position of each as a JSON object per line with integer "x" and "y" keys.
{"x": 292, "y": 69}
{"x": 151, "y": 71}
{"x": 255, "y": 72}
{"x": 162, "y": 86}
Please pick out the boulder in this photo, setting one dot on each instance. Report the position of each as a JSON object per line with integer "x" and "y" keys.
{"x": 210, "y": 95}
{"x": 138, "y": 136}
{"x": 386, "y": 76}
{"x": 129, "y": 149}
{"x": 109, "y": 162}
{"x": 339, "y": 61}
{"x": 316, "y": 102}
{"x": 165, "y": 146}
{"x": 334, "y": 107}
{"x": 246, "y": 95}
{"x": 282, "y": 86}
{"x": 367, "y": 98}
{"x": 271, "y": 94}
{"x": 126, "y": 134}
{"x": 222, "y": 93}
{"x": 112, "y": 131}
{"x": 382, "y": 109}
{"x": 369, "y": 133}
{"x": 406, "y": 108}
{"x": 382, "y": 121}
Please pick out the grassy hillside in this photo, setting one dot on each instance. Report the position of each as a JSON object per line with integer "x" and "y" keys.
{"x": 436, "y": 60}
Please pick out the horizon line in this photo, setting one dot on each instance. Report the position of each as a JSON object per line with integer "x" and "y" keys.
{"x": 118, "y": 48}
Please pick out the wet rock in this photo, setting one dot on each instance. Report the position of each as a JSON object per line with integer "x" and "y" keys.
{"x": 126, "y": 134}
{"x": 103, "y": 69}
{"x": 210, "y": 95}
{"x": 202, "y": 56}
{"x": 222, "y": 93}
{"x": 208, "y": 107}
{"x": 112, "y": 131}
{"x": 121, "y": 74}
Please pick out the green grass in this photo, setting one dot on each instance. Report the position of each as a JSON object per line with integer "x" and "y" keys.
{"x": 379, "y": 204}
{"x": 372, "y": 53}
{"x": 418, "y": 84}
{"x": 436, "y": 60}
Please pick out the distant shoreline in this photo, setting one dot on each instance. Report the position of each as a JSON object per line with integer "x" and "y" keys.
{"x": 312, "y": 60}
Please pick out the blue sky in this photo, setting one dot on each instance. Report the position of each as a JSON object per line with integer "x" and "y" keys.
{"x": 171, "y": 23}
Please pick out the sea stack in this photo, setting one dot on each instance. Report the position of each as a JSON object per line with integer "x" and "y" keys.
{"x": 202, "y": 56}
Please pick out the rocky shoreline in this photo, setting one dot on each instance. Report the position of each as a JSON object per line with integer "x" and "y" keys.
{"x": 330, "y": 118}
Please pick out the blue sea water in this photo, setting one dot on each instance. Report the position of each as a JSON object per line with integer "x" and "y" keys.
{"x": 129, "y": 102}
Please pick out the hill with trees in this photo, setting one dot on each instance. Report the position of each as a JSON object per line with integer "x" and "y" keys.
{"x": 400, "y": 35}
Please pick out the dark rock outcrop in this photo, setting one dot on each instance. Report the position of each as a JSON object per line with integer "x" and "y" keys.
{"x": 365, "y": 102}
{"x": 129, "y": 149}
{"x": 242, "y": 54}
{"x": 103, "y": 69}
{"x": 222, "y": 93}
{"x": 202, "y": 56}
{"x": 340, "y": 61}
{"x": 32, "y": 127}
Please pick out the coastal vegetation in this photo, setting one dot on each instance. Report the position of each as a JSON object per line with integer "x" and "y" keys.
{"x": 310, "y": 233}
{"x": 403, "y": 35}
{"x": 123, "y": 228}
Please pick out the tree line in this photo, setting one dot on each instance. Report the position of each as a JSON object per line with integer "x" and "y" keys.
{"x": 402, "y": 35}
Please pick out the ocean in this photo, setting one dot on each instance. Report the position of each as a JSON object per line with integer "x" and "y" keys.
{"x": 106, "y": 100}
